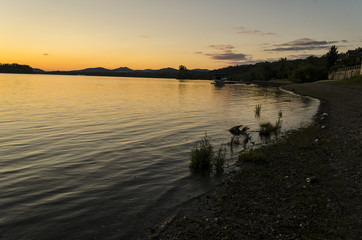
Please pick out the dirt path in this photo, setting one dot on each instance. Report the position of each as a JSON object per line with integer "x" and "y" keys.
{"x": 273, "y": 200}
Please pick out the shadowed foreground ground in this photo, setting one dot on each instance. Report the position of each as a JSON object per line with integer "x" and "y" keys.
{"x": 273, "y": 200}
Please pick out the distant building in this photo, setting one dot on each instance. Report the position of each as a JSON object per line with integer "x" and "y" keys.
{"x": 354, "y": 53}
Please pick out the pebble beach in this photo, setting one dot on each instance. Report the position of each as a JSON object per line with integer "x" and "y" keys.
{"x": 309, "y": 186}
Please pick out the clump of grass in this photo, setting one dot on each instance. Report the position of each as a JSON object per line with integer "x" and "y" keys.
{"x": 257, "y": 111}
{"x": 204, "y": 158}
{"x": 280, "y": 114}
{"x": 202, "y": 154}
{"x": 267, "y": 128}
{"x": 252, "y": 156}
{"x": 219, "y": 159}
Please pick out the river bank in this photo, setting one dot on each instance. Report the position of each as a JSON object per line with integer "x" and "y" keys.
{"x": 272, "y": 199}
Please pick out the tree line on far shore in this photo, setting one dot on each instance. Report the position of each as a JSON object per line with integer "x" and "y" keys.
{"x": 15, "y": 68}
{"x": 300, "y": 70}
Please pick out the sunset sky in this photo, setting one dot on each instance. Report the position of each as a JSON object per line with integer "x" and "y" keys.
{"x": 140, "y": 34}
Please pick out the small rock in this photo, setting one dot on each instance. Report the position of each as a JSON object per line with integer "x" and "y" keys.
{"x": 311, "y": 179}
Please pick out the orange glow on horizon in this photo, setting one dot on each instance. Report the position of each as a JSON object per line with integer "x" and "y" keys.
{"x": 143, "y": 34}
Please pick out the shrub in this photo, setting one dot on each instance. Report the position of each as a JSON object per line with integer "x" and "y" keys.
{"x": 219, "y": 159}
{"x": 309, "y": 73}
{"x": 252, "y": 156}
{"x": 202, "y": 154}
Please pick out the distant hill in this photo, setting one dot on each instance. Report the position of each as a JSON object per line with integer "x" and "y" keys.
{"x": 157, "y": 70}
{"x": 15, "y": 68}
{"x": 128, "y": 72}
{"x": 93, "y": 70}
{"x": 38, "y": 70}
{"x": 123, "y": 69}
{"x": 200, "y": 70}
{"x": 168, "y": 69}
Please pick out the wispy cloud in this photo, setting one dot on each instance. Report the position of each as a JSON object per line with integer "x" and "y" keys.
{"x": 224, "y": 52}
{"x": 243, "y": 30}
{"x": 228, "y": 56}
{"x": 222, "y": 47}
{"x": 45, "y": 54}
{"x": 302, "y": 44}
{"x": 301, "y": 56}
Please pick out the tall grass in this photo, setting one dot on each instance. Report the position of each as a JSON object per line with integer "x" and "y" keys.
{"x": 257, "y": 111}
{"x": 204, "y": 158}
{"x": 219, "y": 159}
{"x": 267, "y": 128}
{"x": 202, "y": 154}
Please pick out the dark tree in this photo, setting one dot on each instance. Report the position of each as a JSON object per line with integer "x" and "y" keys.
{"x": 182, "y": 68}
{"x": 15, "y": 68}
{"x": 183, "y": 72}
{"x": 332, "y": 57}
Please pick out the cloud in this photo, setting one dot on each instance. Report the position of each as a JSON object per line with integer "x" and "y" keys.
{"x": 224, "y": 52}
{"x": 143, "y": 36}
{"x": 228, "y": 56}
{"x": 302, "y": 44}
{"x": 45, "y": 54}
{"x": 222, "y": 47}
{"x": 243, "y": 30}
{"x": 301, "y": 56}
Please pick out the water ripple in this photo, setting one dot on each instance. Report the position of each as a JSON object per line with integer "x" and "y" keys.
{"x": 92, "y": 157}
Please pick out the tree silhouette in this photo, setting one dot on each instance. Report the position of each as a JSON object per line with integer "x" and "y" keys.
{"x": 15, "y": 68}
{"x": 183, "y": 72}
{"x": 182, "y": 68}
{"x": 332, "y": 57}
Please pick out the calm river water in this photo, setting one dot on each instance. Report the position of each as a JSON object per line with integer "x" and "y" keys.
{"x": 107, "y": 158}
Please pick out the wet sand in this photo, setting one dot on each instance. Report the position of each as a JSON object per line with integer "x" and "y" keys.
{"x": 273, "y": 199}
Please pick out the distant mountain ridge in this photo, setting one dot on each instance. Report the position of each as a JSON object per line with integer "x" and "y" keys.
{"x": 120, "y": 69}
{"x": 123, "y": 69}
{"x": 128, "y": 72}
{"x": 93, "y": 70}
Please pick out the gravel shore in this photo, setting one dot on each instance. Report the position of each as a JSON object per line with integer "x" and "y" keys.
{"x": 273, "y": 199}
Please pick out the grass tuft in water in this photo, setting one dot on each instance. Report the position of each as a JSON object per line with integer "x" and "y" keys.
{"x": 280, "y": 114}
{"x": 204, "y": 158}
{"x": 219, "y": 159}
{"x": 267, "y": 128}
{"x": 202, "y": 154}
{"x": 257, "y": 111}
